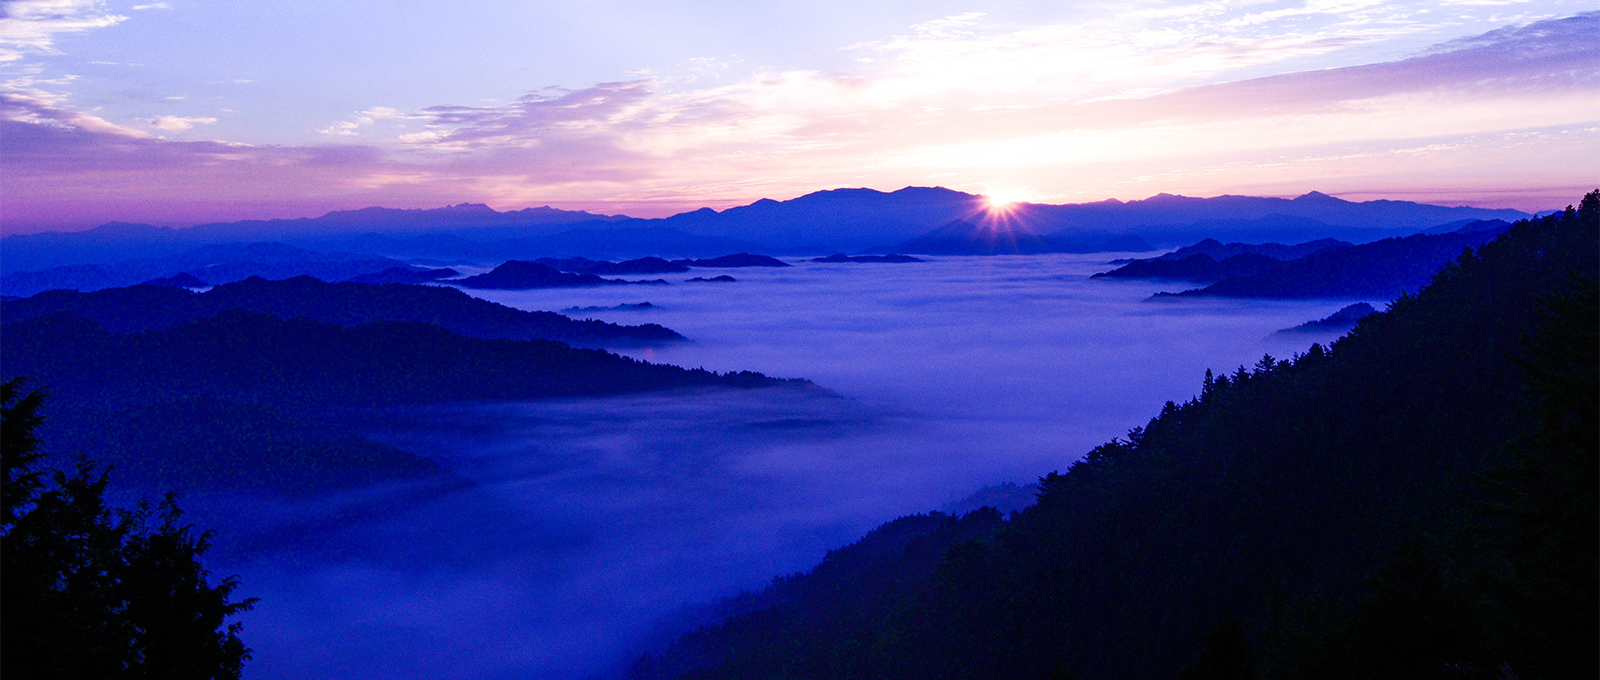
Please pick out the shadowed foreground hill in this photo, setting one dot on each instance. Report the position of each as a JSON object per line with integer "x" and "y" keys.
{"x": 380, "y": 364}
{"x": 138, "y": 308}
{"x": 1417, "y": 501}
{"x": 246, "y": 401}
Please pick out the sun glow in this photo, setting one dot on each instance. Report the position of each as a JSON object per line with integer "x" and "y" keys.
{"x": 1001, "y": 201}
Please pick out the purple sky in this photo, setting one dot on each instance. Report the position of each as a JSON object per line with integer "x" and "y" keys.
{"x": 173, "y": 113}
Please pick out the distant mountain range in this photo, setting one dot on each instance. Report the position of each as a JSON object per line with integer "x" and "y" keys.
{"x": 212, "y": 264}
{"x": 837, "y": 220}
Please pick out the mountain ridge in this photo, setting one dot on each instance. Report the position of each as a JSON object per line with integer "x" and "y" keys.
{"x": 817, "y": 223}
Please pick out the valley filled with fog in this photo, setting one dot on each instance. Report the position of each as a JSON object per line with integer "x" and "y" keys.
{"x": 592, "y": 527}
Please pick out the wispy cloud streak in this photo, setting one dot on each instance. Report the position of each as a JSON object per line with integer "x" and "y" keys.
{"x": 30, "y": 26}
{"x": 1125, "y": 105}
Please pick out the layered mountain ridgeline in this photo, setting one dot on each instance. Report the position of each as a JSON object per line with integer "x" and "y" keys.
{"x": 724, "y": 278}
{"x": 520, "y": 275}
{"x": 407, "y": 275}
{"x": 250, "y": 399}
{"x": 141, "y": 308}
{"x": 1372, "y": 510}
{"x": 1373, "y": 271}
{"x": 1199, "y": 268}
{"x": 1211, "y": 260}
{"x": 1337, "y": 322}
{"x": 212, "y": 265}
{"x": 890, "y": 258}
{"x": 184, "y": 280}
{"x": 656, "y": 265}
{"x": 1218, "y": 250}
{"x": 987, "y": 237}
{"x": 624, "y": 307}
{"x": 838, "y": 220}
{"x": 643, "y": 265}
{"x": 238, "y": 352}
{"x": 856, "y": 220}
{"x": 1467, "y": 226}
{"x": 120, "y": 241}
{"x": 735, "y": 260}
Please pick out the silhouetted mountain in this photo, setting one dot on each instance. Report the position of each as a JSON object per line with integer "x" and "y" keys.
{"x": 1267, "y": 228}
{"x": 1007, "y": 498}
{"x": 406, "y": 275}
{"x": 891, "y": 258}
{"x": 1337, "y": 322}
{"x": 229, "y": 272}
{"x": 861, "y": 219}
{"x": 735, "y": 260}
{"x": 715, "y": 279}
{"x": 1416, "y": 501}
{"x": 1198, "y": 268}
{"x": 464, "y": 215}
{"x": 643, "y": 265}
{"x": 631, "y": 239}
{"x": 1374, "y": 271}
{"x": 847, "y": 220}
{"x": 598, "y": 241}
{"x": 835, "y": 219}
{"x": 109, "y": 242}
{"x": 212, "y": 264}
{"x": 1277, "y": 251}
{"x": 184, "y": 280}
{"x": 143, "y": 308}
{"x": 221, "y": 379}
{"x": 1168, "y": 219}
{"x": 636, "y": 307}
{"x": 301, "y": 361}
{"x": 519, "y": 275}
{"x": 1467, "y": 226}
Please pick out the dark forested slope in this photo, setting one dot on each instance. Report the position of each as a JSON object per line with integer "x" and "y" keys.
{"x": 137, "y": 308}
{"x": 1377, "y": 270}
{"x": 1415, "y": 501}
{"x": 245, "y": 401}
{"x": 304, "y": 361}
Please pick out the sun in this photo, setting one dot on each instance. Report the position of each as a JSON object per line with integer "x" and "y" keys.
{"x": 1000, "y": 201}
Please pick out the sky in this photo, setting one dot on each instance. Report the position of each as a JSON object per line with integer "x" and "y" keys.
{"x": 182, "y": 111}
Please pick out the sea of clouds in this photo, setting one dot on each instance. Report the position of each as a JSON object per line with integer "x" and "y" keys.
{"x": 591, "y": 522}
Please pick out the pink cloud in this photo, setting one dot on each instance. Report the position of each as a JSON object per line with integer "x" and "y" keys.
{"x": 1507, "y": 118}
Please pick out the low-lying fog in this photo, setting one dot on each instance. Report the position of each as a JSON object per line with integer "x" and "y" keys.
{"x": 594, "y": 519}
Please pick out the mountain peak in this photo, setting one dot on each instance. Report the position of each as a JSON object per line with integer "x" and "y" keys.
{"x": 1318, "y": 196}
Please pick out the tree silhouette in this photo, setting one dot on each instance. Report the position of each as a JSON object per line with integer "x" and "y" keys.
{"x": 96, "y": 592}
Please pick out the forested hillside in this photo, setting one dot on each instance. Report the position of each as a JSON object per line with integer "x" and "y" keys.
{"x": 1417, "y": 500}
{"x": 142, "y": 308}
{"x": 249, "y": 402}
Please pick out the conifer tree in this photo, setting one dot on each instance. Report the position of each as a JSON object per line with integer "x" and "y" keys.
{"x": 91, "y": 591}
